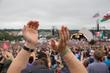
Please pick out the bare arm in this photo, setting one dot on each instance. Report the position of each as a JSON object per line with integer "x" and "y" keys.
{"x": 74, "y": 65}
{"x": 31, "y": 36}
{"x": 19, "y": 62}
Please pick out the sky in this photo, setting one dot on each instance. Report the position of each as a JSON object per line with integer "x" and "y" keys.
{"x": 75, "y": 14}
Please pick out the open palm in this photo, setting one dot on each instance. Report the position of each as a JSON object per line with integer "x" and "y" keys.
{"x": 30, "y": 32}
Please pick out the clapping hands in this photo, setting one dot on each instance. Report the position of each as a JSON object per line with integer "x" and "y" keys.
{"x": 61, "y": 45}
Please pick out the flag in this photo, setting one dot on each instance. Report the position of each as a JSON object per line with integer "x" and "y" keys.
{"x": 101, "y": 34}
{"x": 97, "y": 33}
{"x": 5, "y": 45}
{"x": 105, "y": 17}
{"x": 96, "y": 15}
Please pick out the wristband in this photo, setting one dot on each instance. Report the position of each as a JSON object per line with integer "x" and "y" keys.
{"x": 28, "y": 49}
{"x": 65, "y": 52}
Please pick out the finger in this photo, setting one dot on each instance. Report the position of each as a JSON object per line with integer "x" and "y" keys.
{"x": 61, "y": 35}
{"x": 24, "y": 29}
{"x": 67, "y": 33}
{"x": 27, "y": 28}
{"x": 32, "y": 26}
{"x": 61, "y": 45}
{"x": 53, "y": 44}
{"x": 29, "y": 23}
{"x": 64, "y": 34}
{"x": 36, "y": 24}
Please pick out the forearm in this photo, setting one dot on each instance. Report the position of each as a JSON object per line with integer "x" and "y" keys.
{"x": 30, "y": 34}
{"x": 19, "y": 62}
{"x": 73, "y": 63}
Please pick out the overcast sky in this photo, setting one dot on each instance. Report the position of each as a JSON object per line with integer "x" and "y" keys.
{"x": 76, "y": 14}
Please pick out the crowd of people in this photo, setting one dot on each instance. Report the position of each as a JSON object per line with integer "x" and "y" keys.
{"x": 63, "y": 55}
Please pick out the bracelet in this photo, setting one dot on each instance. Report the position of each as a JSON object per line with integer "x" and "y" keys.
{"x": 65, "y": 52}
{"x": 28, "y": 49}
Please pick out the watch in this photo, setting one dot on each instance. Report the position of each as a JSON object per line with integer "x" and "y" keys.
{"x": 28, "y": 49}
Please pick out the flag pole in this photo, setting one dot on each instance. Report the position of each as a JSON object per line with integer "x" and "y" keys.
{"x": 98, "y": 27}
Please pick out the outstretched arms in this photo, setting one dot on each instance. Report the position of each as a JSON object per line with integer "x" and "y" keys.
{"x": 31, "y": 38}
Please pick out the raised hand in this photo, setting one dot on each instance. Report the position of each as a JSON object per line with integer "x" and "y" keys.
{"x": 8, "y": 55}
{"x": 61, "y": 45}
{"x": 30, "y": 33}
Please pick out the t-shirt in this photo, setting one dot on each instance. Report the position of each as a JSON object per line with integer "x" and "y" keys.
{"x": 97, "y": 67}
{"x": 107, "y": 62}
{"x": 36, "y": 69}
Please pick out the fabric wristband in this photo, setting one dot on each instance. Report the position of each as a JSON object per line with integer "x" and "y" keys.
{"x": 28, "y": 49}
{"x": 65, "y": 52}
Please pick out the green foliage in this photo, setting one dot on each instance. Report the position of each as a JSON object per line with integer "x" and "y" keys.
{"x": 5, "y": 36}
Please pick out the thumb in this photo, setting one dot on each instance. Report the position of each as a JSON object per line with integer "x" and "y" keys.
{"x": 53, "y": 44}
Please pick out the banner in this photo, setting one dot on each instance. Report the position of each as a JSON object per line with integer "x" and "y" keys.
{"x": 105, "y": 17}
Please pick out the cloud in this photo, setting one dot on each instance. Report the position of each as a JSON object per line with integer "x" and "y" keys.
{"x": 75, "y": 14}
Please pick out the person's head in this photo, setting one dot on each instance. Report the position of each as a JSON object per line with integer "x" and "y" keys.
{"x": 42, "y": 59}
{"x": 58, "y": 62}
{"x": 91, "y": 52}
{"x": 92, "y": 42}
{"x": 86, "y": 63}
{"x": 99, "y": 55}
{"x": 40, "y": 65}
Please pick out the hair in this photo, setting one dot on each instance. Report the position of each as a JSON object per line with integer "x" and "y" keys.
{"x": 45, "y": 61}
{"x": 86, "y": 63}
{"x": 99, "y": 55}
{"x": 92, "y": 42}
{"x": 42, "y": 59}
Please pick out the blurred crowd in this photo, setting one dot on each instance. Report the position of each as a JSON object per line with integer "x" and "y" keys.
{"x": 93, "y": 55}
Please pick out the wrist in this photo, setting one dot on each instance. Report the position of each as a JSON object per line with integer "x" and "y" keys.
{"x": 63, "y": 53}
{"x": 28, "y": 49}
{"x": 29, "y": 45}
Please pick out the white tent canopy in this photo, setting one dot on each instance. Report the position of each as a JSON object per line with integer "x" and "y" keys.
{"x": 86, "y": 33}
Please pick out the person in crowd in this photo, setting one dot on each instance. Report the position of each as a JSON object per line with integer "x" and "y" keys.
{"x": 5, "y": 61}
{"x": 40, "y": 65}
{"x": 107, "y": 61}
{"x": 86, "y": 63}
{"x": 30, "y": 33}
{"x": 2, "y": 59}
{"x": 98, "y": 66}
